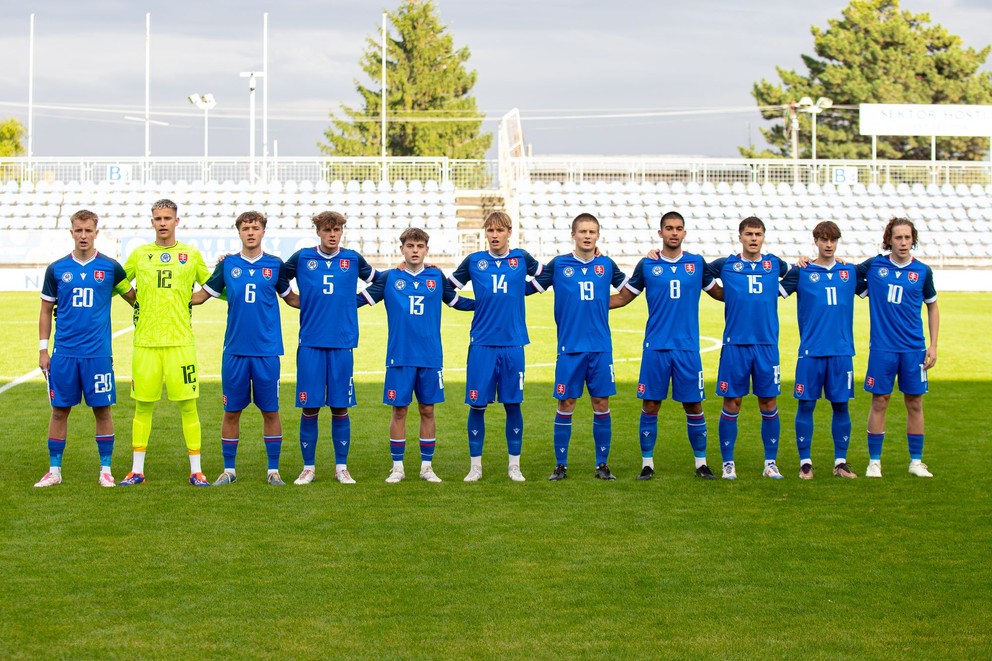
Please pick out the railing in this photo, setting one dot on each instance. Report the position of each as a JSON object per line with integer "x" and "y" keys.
{"x": 713, "y": 170}
{"x": 464, "y": 174}
{"x": 484, "y": 174}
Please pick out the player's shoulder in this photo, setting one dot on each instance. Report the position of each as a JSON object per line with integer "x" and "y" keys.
{"x": 64, "y": 260}
{"x": 186, "y": 248}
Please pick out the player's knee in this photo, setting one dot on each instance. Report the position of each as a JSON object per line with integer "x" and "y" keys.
{"x": 732, "y": 404}
{"x": 311, "y": 412}
{"x": 807, "y": 405}
{"x": 234, "y": 416}
{"x": 600, "y": 404}
{"x": 651, "y": 407}
{"x": 566, "y": 405}
{"x": 61, "y": 413}
{"x": 767, "y": 403}
{"x": 187, "y": 408}
{"x": 839, "y": 407}
{"x": 694, "y": 408}
{"x": 880, "y": 402}
{"x": 914, "y": 403}
{"x": 426, "y": 411}
{"x": 399, "y": 412}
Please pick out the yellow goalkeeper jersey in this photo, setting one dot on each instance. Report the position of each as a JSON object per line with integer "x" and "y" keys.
{"x": 164, "y": 280}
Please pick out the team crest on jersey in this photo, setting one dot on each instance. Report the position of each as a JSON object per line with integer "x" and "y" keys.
{"x": 560, "y": 389}
{"x": 311, "y": 264}
{"x": 267, "y": 274}
{"x": 882, "y": 272}
{"x": 800, "y": 388}
{"x": 303, "y": 398}
{"x": 345, "y": 264}
{"x": 400, "y": 285}
{"x": 166, "y": 258}
{"x": 640, "y": 389}
{"x": 391, "y": 395}
{"x": 568, "y": 271}
{"x": 913, "y": 277}
{"x": 235, "y": 272}
{"x": 767, "y": 265}
{"x": 599, "y": 269}
{"x": 66, "y": 277}
{"x": 690, "y": 268}
{"x": 814, "y": 277}
{"x": 656, "y": 270}
{"x": 183, "y": 258}
{"x": 482, "y": 264}
{"x": 473, "y": 395}
{"x": 512, "y": 262}
{"x": 738, "y": 266}
{"x": 431, "y": 285}
{"x": 843, "y": 276}
{"x": 98, "y": 276}
{"x": 724, "y": 386}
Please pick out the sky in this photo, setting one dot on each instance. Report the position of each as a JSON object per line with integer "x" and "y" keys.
{"x": 548, "y": 58}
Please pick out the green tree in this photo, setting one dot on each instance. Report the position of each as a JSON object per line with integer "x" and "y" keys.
{"x": 876, "y": 53}
{"x": 426, "y": 79}
{"x": 11, "y": 134}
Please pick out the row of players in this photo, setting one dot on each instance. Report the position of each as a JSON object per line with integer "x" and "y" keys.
{"x": 81, "y": 286}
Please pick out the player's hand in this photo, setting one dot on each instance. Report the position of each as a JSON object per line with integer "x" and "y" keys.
{"x": 803, "y": 262}
{"x": 931, "y": 358}
{"x": 401, "y": 266}
{"x": 44, "y": 361}
{"x": 654, "y": 253}
{"x": 222, "y": 257}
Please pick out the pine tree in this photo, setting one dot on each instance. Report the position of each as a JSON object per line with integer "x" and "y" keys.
{"x": 426, "y": 79}
{"x": 877, "y": 53}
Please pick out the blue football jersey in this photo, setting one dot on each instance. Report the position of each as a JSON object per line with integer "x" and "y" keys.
{"x": 328, "y": 284}
{"x": 582, "y": 300}
{"x": 499, "y": 284}
{"x": 895, "y": 296}
{"x": 750, "y": 297}
{"x": 673, "y": 287}
{"x": 82, "y": 292}
{"x": 825, "y": 309}
{"x": 413, "y": 311}
{"x": 253, "y": 289}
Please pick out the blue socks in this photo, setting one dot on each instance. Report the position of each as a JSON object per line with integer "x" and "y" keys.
{"x": 771, "y": 429}
{"x": 840, "y": 428}
{"x": 476, "y": 430}
{"x": 804, "y": 429}
{"x": 695, "y": 428}
{"x": 56, "y": 446}
{"x": 915, "y": 446}
{"x": 397, "y": 448}
{"x": 341, "y": 437}
{"x": 514, "y": 429}
{"x": 602, "y": 435}
{"x": 273, "y": 448}
{"x": 875, "y": 446}
{"x": 229, "y": 449}
{"x": 427, "y": 449}
{"x": 727, "y": 431}
{"x": 648, "y": 434}
{"x": 562, "y": 435}
{"x": 308, "y": 438}
{"x": 105, "y": 448}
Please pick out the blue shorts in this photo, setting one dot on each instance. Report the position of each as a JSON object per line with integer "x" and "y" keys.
{"x": 744, "y": 364}
{"x": 684, "y": 369}
{"x": 833, "y": 376}
{"x": 72, "y": 379}
{"x": 573, "y": 370}
{"x": 885, "y": 366}
{"x": 402, "y": 382}
{"x": 250, "y": 378}
{"x": 492, "y": 372}
{"x": 325, "y": 377}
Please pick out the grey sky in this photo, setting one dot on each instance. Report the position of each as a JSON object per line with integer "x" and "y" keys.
{"x": 549, "y": 57}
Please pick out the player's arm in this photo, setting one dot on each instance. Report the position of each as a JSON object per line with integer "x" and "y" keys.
{"x": 461, "y": 275}
{"x": 123, "y": 287}
{"x": 790, "y": 282}
{"x": 453, "y": 299}
{"x": 543, "y": 280}
{"x": 284, "y": 289}
{"x": 933, "y": 318}
{"x": 630, "y": 289}
{"x": 862, "y": 271}
{"x": 374, "y": 293}
{"x": 44, "y": 333}
{"x": 534, "y": 267}
{"x": 711, "y": 285}
{"x": 365, "y": 270}
{"x": 212, "y": 288}
{"x": 619, "y": 277}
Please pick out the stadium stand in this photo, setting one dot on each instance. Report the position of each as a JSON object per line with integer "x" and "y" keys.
{"x": 951, "y": 203}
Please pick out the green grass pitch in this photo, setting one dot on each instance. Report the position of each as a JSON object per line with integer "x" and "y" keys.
{"x": 675, "y": 567}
